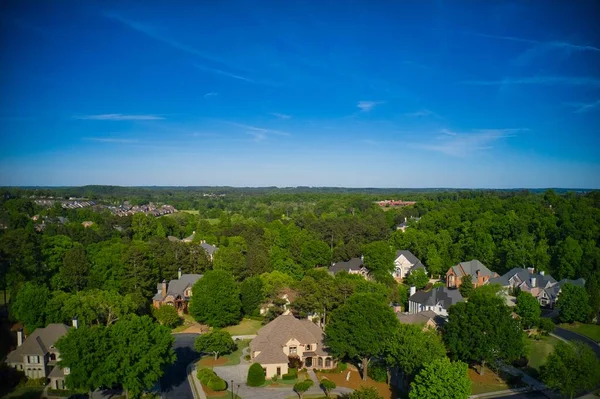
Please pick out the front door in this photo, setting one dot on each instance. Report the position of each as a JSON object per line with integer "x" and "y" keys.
{"x": 308, "y": 362}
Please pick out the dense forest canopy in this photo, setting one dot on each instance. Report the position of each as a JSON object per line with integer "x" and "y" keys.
{"x": 290, "y": 231}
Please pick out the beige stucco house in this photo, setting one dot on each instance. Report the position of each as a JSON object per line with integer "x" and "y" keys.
{"x": 286, "y": 337}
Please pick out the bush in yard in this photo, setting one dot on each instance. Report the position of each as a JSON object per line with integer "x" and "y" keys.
{"x": 302, "y": 386}
{"x": 546, "y": 326}
{"x": 378, "y": 372}
{"x": 256, "y": 375}
{"x": 341, "y": 366}
{"x": 204, "y": 374}
{"x": 216, "y": 383}
{"x": 328, "y": 386}
{"x": 291, "y": 374}
{"x": 167, "y": 316}
{"x": 365, "y": 393}
{"x": 294, "y": 362}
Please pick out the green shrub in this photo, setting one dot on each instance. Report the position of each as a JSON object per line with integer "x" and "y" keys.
{"x": 256, "y": 375}
{"x": 204, "y": 375}
{"x": 293, "y": 371}
{"x": 327, "y": 385}
{"x": 341, "y": 366}
{"x": 167, "y": 316}
{"x": 292, "y": 374}
{"x": 63, "y": 393}
{"x": 216, "y": 383}
{"x": 33, "y": 382}
{"x": 546, "y": 326}
{"x": 378, "y": 372}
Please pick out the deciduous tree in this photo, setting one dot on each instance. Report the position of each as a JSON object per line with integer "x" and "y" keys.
{"x": 573, "y": 303}
{"x": 528, "y": 308}
{"x": 218, "y": 342}
{"x": 417, "y": 278}
{"x": 75, "y": 269}
{"x": 216, "y": 299}
{"x": 251, "y": 295}
{"x": 167, "y": 316}
{"x": 441, "y": 379}
{"x": 29, "y": 306}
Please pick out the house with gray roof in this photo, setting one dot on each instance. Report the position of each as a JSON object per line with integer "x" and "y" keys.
{"x": 437, "y": 300}
{"x": 176, "y": 293}
{"x": 286, "y": 337}
{"x": 405, "y": 263}
{"x": 479, "y": 273}
{"x": 428, "y": 319}
{"x": 353, "y": 266}
{"x": 210, "y": 249}
{"x": 36, "y": 355}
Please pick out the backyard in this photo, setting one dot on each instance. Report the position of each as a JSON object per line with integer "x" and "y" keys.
{"x": 246, "y": 327}
{"x": 539, "y": 351}
{"x": 592, "y": 331}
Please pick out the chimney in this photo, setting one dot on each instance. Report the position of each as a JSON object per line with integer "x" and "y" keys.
{"x": 542, "y": 273}
{"x": 163, "y": 290}
{"x": 202, "y": 241}
{"x": 531, "y": 270}
{"x": 179, "y": 273}
{"x": 533, "y": 282}
{"x": 362, "y": 258}
{"x": 75, "y": 322}
{"x": 413, "y": 290}
{"x": 20, "y": 337}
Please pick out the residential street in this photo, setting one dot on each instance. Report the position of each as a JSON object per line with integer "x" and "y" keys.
{"x": 175, "y": 383}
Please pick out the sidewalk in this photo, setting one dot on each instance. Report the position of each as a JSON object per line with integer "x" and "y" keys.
{"x": 194, "y": 382}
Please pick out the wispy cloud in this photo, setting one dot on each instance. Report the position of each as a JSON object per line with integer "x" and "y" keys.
{"x": 551, "y": 44}
{"x": 111, "y": 140}
{"x": 538, "y": 80}
{"x": 280, "y": 116}
{"x": 580, "y": 108}
{"x": 224, "y": 73}
{"x": 422, "y": 113}
{"x": 257, "y": 136}
{"x": 459, "y": 144}
{"x": 211, "y": 94}
{"x": 119, "y": 117}
{"x": 255, "y": 129}
{"x": 367, "y": 106}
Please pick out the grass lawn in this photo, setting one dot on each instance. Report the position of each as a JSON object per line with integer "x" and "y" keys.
{"x": 246, "y": 327}
{"x": 213, "y": 221}
{"x": 355, "y": 382}
{"x": 226, "y": 360}
{"x": 188, "y": 321}
{"x": 592, "y": 331}
{"x": 488, "y": 382}
{"x": 25, "y": 393}
{"x": 540, "y": 351}
{"x": 190, "y": 211}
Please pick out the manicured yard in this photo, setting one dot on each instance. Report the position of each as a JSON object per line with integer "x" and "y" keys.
{"x": 488, "y": 382}
{"x": 226, "y": 360}
{"x": 592, "y": 331}
{"x": 188, "y": 321}
{"x": 246, "y": 327}
{"x": 355, "y": 382}
{"x": 540, "y": 351}
{"x": 25, "y": 393}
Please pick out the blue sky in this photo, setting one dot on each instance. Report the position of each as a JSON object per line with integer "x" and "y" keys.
{"x": 318, "y": 93}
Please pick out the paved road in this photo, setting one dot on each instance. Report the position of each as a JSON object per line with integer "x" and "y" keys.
{"x": 175, "y": 383}
{"x": 571, "y": 336}
{"x": 528, "y": 395}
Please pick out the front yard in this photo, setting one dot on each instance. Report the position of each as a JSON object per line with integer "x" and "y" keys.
{"x": 355, "y": 382}
{"x": 592, "y": 331}
{"x": 231, "y": 359}
{"x": 246, "y": 327}
{"x": 488, "y": 382}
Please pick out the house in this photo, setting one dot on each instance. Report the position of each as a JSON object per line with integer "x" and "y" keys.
{"x": 353, "y": 266}
{"x": 286, "y": 337}
{"x": 437, "y": 300}
{"x": 210, "y": 249}
{"x": 176, "y": 293}
{"x": 479, "y": 273}
{"x": 287, "y": 296}
{"x": 428, "y": 319}
{"x": 404, "y": 263}
{"x": 36, "y": 355}
{"x": 542, "y": 286}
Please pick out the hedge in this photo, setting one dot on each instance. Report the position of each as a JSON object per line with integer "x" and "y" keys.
{"x": 63, "y": 393}
{"x": 208, "y": 378}
{"x": 256, "y": 375}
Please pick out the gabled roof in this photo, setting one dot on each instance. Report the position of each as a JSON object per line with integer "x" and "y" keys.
{"x": 524, "y": 276}
{"x": 352, "y": 264}
{"x": 210, "y": 249}
{"x": 421, "y": 318}
{"x": 408, "y": 255}
{"x": 271, "y": 338}
{"x": 442, "y": 295}
{"x": 177, "y": 287}
{"x": 471, "y": 268}
{"x": 40, "y": 342}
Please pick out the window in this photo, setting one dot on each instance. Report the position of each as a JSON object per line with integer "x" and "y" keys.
{"x": 33, "y": 359}
{"x": 278, "y": 371}
{"x": 307, "y": 347}
{"x": 320, "y": 361}
{"x": 293, "y": 350}
{"x": 328, "y": 362}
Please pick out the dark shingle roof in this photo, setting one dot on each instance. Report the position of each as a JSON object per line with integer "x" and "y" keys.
{"x": 210, "y": 249}
{"x": 408, "y": 255}
{"x": 177, "y": 287}
{"x": 39, "y": 342}
{"x": 525, "y": 276}
{"x": 352, "y": 264}
{"x": 444, "y": 295}
{"x": 470, "y": 268}
{"x": 421, "y": 318}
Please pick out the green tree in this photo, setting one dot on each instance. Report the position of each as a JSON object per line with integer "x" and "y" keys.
{"x": 592, "y": 285}
{"x": 528, "y": 308}
{"x": 356, "y": 328}
{"x": 546, "y": 325}
{"x": 441, "y": 379}
{"x": 417, "y": 278}
{"x": 466, "y": 286}
{"x": 84, "y": 351}
{"x": 216, "y": 299}
{"x": 302, "y": 386}
{"x": 327, "y": 386}
{"x": 571, "y": 368}
{"x": 483, "y": 329}
{"x": 75, "y": 269}
{"x": 251, "y": 295}
{"x": 141, "y": 351}
{"x": 167, "y": 316}
{"x": 29, "y": 306}
{"x": 256, "y": 375}
{"x": 218, "y": 342}
{"x": 573, "y": 303}
{"x": 140, "y": 275}
{"x": 568, "y": 258}
{"x": 365, "y": 393}
{"x": 53, "y": 250}
{"x": 231, "y": 259}
{"x": 143, "y": 226}
{"x": 409, "y": 348}
{"x": 314, "y": 253}
{"x": 378, "y": 257}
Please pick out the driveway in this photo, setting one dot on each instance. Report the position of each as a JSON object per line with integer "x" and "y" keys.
{"x": 174, "y": 384}
{"x": 571, "y": 336}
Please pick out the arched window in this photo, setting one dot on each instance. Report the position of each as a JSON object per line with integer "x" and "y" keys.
{"x": 328, "y": 362}
{"x": 320, "y": 362}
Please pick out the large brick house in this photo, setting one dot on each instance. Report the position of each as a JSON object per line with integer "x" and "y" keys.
{"x": 176, "y": 293}
{"x": 479, "y": 273}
